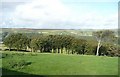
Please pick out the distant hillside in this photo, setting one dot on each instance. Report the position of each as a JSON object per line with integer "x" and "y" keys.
{"x": 78, "y": 32}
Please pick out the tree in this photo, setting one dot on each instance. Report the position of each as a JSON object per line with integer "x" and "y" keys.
{"x": 79, "y": 46}
{"x": 16, "y": 40}
{"x": 9, "y": 41}
{"x": 91, "y": 47}
{"x": 103, "y": 36}
{"x": 33, "y": 45}
{"x": 22, "y": 41}
{"x": 36, "y": 43}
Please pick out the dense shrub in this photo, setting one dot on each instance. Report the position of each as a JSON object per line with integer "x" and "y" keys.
{"x": 18, "y": 64}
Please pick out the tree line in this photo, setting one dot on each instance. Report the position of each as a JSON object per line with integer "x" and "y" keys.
{"x": 65, "y": 44}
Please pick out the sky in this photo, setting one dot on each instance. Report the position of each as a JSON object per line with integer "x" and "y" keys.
{"x": 59, "y": 14}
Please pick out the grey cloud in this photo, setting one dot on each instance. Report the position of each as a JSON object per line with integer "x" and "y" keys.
{"x": 9, "y": 6}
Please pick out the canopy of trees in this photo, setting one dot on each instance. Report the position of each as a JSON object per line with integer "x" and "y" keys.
{"x": 18, "y": 41}
{"x": 64, "y": 44}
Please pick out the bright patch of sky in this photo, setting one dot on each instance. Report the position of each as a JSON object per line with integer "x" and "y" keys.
{"x": 59, "y": 14}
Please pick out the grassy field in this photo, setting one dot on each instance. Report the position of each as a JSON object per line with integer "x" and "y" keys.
{"x": 57, "y": 64}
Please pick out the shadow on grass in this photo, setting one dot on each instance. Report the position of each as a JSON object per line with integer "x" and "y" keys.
{"x": 12, "y": 73}
{"x": 17, "y": 50}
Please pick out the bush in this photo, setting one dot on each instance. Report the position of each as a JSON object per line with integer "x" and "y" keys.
{"x": 6, "y": 55}
{"x": 112, "y": 50}
{"x": 18, "y": 64}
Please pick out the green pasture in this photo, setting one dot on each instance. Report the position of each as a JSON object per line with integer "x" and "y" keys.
{"x": 14, "y": 63}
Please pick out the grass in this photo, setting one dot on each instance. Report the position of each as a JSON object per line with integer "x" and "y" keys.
{"x": 60, "y": 64}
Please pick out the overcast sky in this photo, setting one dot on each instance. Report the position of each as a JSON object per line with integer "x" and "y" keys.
{"x": 59, "y": 14}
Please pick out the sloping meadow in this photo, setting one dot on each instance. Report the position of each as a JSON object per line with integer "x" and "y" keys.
{"x": 57, "y": 64}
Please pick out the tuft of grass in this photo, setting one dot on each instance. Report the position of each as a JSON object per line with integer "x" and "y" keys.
{"x": 16, "y": 64}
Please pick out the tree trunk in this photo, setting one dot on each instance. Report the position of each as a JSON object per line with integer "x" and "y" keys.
{"x": 57, "y": 50}
{"x": 17, "y": 49}
{"x": 72, "y": 52}
{"x": 32, "y": 50}
{"x": 98, "y": 47}
{"x": 9, "y": 49}
{"x": 66, "y": 50}
{"x": 61, "y": 50}
{"x": 52, "y": 51}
